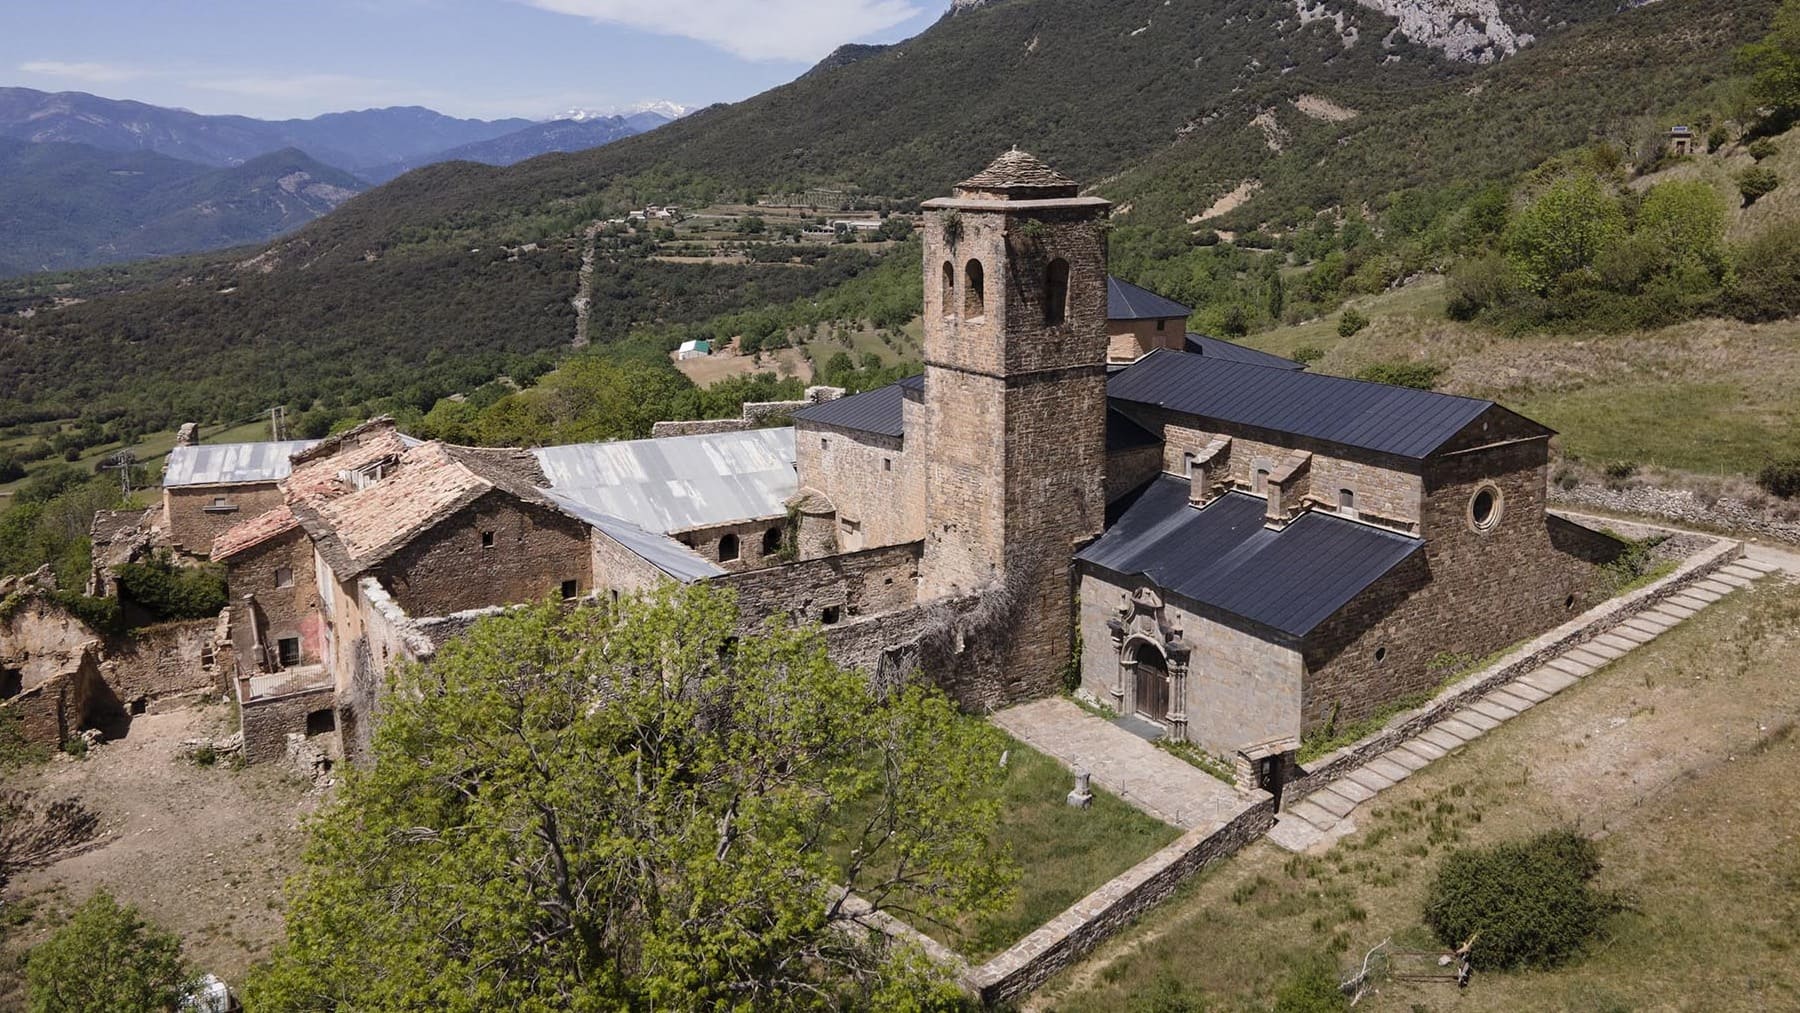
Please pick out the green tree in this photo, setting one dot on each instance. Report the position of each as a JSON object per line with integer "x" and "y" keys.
{"x": 1757, "y": 182}
{"x": 1685, "y": 219}
{"x": 1774, "y": 62}
{"x": 626, "y": 807}
{"x": 1567, "y": 228}
{"x": 107, "y": 959}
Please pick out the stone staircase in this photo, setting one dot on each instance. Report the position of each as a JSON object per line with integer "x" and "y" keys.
{"x": 1324, "y": 814}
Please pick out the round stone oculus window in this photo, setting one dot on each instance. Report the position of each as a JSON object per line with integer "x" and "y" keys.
{"x": 1485, "y": 508}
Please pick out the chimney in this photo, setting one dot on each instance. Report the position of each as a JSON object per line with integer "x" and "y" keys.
{"x": 1289, "y": 485}
{"x": 1208, "y": 471}
{"x": 188, "y": 435}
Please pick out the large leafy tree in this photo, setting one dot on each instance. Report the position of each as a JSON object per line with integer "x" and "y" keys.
{"x": 625, "y": 807}
{"x": 1566, "y": 228}
{"x": 1774, "y": 62}
{"x": 106, "y": 959}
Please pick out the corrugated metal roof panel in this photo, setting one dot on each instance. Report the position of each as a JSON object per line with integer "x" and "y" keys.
{"x": 876, "y": 411}
{"x": 1219, "y": 348}
{"x": 231, "y": 463}
{"x": 1289, "y": 580}
{"x": 1355, "y": 413}
{"x": 680, "y": 482}
{"x": 660, "y": 551}
{"x": 1125, "y": 301}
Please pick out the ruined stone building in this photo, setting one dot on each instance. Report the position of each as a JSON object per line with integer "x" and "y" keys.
{"x": 1246, "y": 552}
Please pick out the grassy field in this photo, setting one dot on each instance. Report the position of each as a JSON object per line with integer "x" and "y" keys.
{"x": 1707, "y": 396}
{"x": 1066, "y": 853}
{"x": 150, "y": 450}
{"x": 1682, "y": 762}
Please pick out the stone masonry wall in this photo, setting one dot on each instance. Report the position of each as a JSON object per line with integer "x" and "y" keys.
{"x": 165, "y": 660}
{"x": 869, "y": 583}
{"x": 1065, "y": 939}
{"x": 267, "y": 723}
{"x": 193, "y": 520}
{"x": 1131, "y": 340}
{"x": 276, "y": 612}
{"x": 1385, "y": 490}
{"x": 1126, "y": 470}
{"x": 449, "y": 570}
{"x": 877, "y": 487}
{"x": 751, "y": 537}
{"x": 1471, "y": 593}
{"x": 1242, "y": 690}
{"x": 618, "y": 570}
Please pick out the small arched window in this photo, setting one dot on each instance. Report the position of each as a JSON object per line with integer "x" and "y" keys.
{"x": 949, "y": 290}
{"x": 728, "y": 548}
{"x": 1056, "y": 291}
{"x": 974, "y": 291}
{"x": 771, "y": 541}
{"x": 1262, "y": 480}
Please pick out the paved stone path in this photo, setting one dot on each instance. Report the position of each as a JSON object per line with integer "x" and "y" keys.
{"x": 1166, "y": 787}
{"x": 1324, "y": 815}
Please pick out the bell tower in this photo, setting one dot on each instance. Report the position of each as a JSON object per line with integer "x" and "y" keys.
{"x": 1015, "y": 404}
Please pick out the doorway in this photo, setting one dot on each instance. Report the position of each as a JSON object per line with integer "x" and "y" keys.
{"x": 1152, "y": 696}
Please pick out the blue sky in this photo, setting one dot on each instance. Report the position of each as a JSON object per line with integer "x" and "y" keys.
{"x": 485, "y": 58}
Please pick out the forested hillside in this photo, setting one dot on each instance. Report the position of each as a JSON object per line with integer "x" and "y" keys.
{"x": 432, "y": 281}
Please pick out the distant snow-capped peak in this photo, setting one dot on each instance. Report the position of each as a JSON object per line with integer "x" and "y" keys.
{"x": 672, "y": 110}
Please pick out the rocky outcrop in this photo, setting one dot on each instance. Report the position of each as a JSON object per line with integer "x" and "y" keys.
{"x": 1472, "y": 31}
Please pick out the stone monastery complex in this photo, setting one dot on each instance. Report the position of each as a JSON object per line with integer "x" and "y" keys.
{"x": 1205, "y": 536}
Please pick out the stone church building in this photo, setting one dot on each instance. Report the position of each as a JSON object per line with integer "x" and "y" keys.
{"x": 1244, "y": 552}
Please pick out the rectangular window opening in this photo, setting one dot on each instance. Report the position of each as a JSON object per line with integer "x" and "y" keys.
{"x": 287, "y": 651}
{"x": 284, "y": 576}
{"x": 487, "y": 539}
{"x": 831, "y": 614}
{"x": 570, "y": 588}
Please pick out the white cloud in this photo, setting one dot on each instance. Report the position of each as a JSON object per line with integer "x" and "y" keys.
{"x": 91, "y": 72}
{"x": 801, "y": 30}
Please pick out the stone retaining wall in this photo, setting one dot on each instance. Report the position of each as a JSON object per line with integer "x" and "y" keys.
{"x": 268, "y": 722}
{"x": 1680, "y": 505}
{"x": 1069, "y": 936}
{"x": 1526, "y": 658}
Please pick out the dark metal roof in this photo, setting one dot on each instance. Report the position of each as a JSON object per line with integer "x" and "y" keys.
{"x": 876, "y": 411}
{"x": 1125, "y": 301}
{"x": 1222, "y": 556}
{"x": 1219, "y": 348}
{"x": 1353, "y": 413}
{"x": 1124, "y": 434}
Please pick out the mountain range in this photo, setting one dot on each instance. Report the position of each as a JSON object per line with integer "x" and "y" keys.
{"x": 107, "y": 178}
{"x": 422, "y": 284}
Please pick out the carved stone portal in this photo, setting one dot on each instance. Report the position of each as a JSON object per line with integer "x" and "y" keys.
{"x": 1151, "y": 678}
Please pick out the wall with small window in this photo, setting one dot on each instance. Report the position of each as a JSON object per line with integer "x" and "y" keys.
{"x": 274, "y": 591}
{"x": 198, "y": 514}
{"x": 1131, "y": 340}
{"x": 876, "y": 482}
{"x": 497, "y": 551}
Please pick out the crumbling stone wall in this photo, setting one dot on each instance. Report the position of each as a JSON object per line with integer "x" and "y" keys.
{"x": 449, "y": 569}
{"x": 197, "y": 514}
{"x": 759, "y": 543}
{"x": 1131, "y": 340}
{"x": 166, "y": 660}
{"x": 753, "y": 415}
{"x": 869, "y": 583}
{"x": 39, "y": 638}
{"x": 267, "y": 723}
{"x": 618, "y": 570}
{"x": 57, "y": 706}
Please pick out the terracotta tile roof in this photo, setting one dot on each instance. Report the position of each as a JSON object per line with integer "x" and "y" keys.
{"x": 253, "y": 532}
{"x": 1019, "y": 173}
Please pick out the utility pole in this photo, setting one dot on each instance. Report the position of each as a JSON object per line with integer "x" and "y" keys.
{"x": 122, "y": 462}
{"x": 278, "y": 423}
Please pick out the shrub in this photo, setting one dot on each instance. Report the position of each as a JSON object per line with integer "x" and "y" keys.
{"x": 11, "y": 469}
{"x": 1308, "y": 354}
{"x": 1351, "y": 322}
{"x": 1781, "y": 478}
{"x": 1421, "y": 375}
{"x": 1525, "y": 903}
{"x": 1620, "y": 471}
{"x": 106, "y": 958}
{"x": 1763, "y": 147}
{"x": 1313, "y": 988}
{"x": 1756, "y": 183}
{"x": 1717, "y": 138}
{"x": 1766, "y": 276}
{"x": 1166, "y": 994}
{"x": 168, "y": 591}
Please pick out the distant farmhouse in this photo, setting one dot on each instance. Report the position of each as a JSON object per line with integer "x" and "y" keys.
{"x": 1243, "y": 550}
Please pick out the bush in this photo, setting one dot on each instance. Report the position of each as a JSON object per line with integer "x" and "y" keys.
{"x": 1756, "y": 183}
{"x": 1351, "y": 322}
{"x": 1766, "y": 277}
{"x": 1308, "y": 354}
{"x": 1420, "y": 375}
{"x": 11, "y": 469}
{"x": 1781, "y": 478}
{"x": 106, "y": 958}
{"x": 1166, "y": 994}
{"x": 1525, "y": 903}
{"x": 168, "y": 591}
{"x": 1762, "y": 148}
{"x": 1620, "y": 471}
{"x": 1311, "y": 989}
